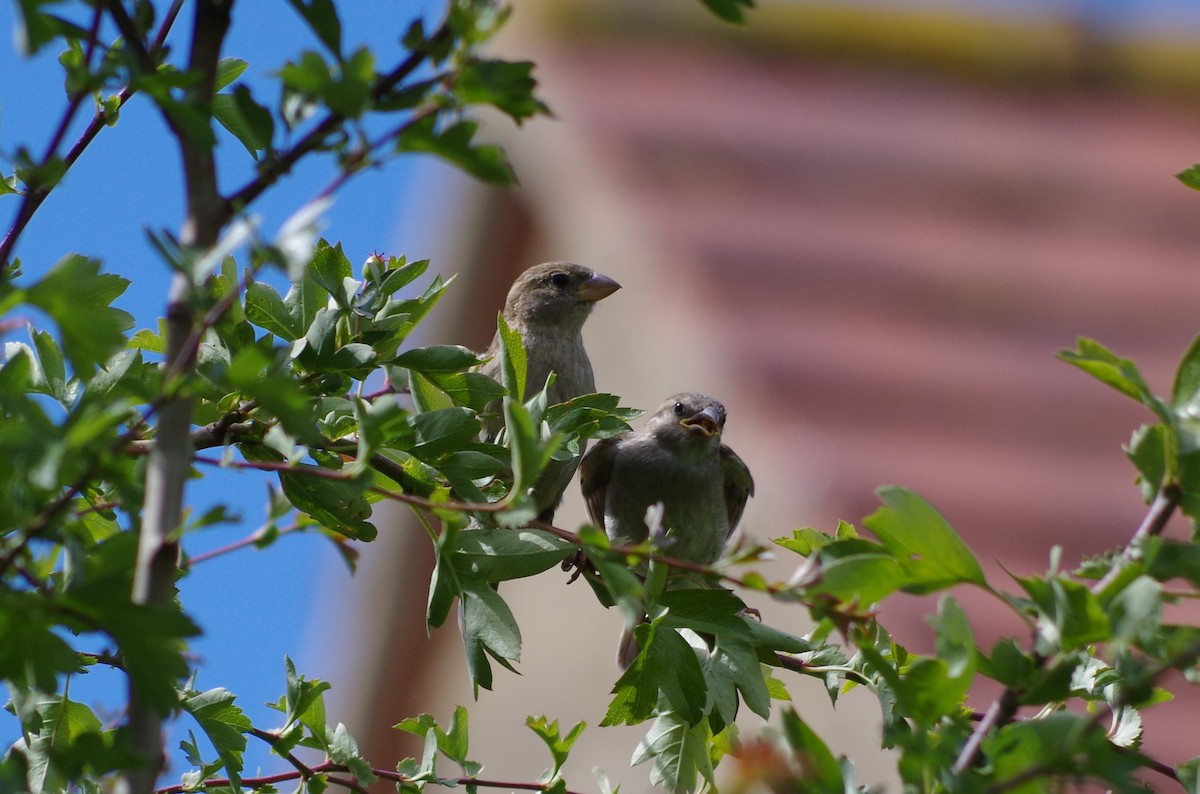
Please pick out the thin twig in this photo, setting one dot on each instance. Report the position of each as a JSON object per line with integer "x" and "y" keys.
{"x": 1004, "y": 707}
{"x": 250, "y": 540}
{"x": 274, "y": 169}
{"x": 1155, "y": 521}
{"x": 327, "y": 767}
{"x": 32, "y": 200}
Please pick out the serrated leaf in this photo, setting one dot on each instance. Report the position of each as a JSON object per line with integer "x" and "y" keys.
{"x": 680, "y": 753}
{"x": 225, "y": 725}
{"x": 455, "y": 144}
{"x": 489, "y": 630}
{"x": 559, "y": 746}
{"x": 506, "y": 85}
{"x": 926, "y": 547}
{"x": 266, "y": 309}
{"x": 77, "y": 297}
{"x": 1119, "y": 373}
{"x": 666, "y": 664}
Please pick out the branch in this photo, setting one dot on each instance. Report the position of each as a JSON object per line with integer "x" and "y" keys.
{"x": 639, "y": 552}
{"x": 33, "y": 199}
{"x": 1161, "y": 510}
{"x": 170, "y": 458}
{"x": 273, "y": 170}
{"x": 250, "y": 540}
{"x": 327, "y": 767}
{"x": 1005, "y": 706}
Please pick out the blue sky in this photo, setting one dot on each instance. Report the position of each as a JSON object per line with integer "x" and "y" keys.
{"x": 252, "y": 605}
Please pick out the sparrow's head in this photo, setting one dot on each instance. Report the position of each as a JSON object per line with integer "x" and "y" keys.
{"x": 695, "y": 415}
{"x": 557, "y": 293}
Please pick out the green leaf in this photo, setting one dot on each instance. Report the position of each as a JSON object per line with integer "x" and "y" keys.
{"x": 225, "y": 725}
{"x": 513, "y": 360}
{"x": 322, "y": 18}
{"x": 819, "y": 769}
{"x": 680, "y": 753}
{"x": 266, "y": 309}
{"x": 667, "y": 664}
{"x": 303, "y": 701}
{"x": 1148, "y": 452}
{"x": 1190, "y": 177}
{"x": 1189, "y": 775}
{"x": 489, "y": 629}
{"x": 330, "y": 268}
{"x": 1186, "y": 389}
{"x": 454, "y": 144}
{"x": 1008, "y": 664}
{"x": 926, "y": 547}
{"x": 804, "y": 541}
{"x": 506, "y": 85}
{"x": 496, "y": 555}
{"x": 559, "y": 746}
{"x": 151, "y": 638}
{"x": 437, "y": 358}
{"x": 1063, "y": 746}
{"x": 253, "y": 372}
{"x": 228, "y": 70}
{"x": 1069, "y": 616}
{"x": 337, "y": 505}
{"x": 76, "y": 296}
{"x": 715, "y": 611}
{"x": 1136, "y": 612}
{"x": 472, "y": 390}
{"x": 867, "y": 575}
{"x": 1167, "y": 559}
{"x": 733, "y": 667}
{"x": 443, "y": 431}
{"x": 245, "y": 119}
{"x": 730, "y": 10}
{"x": 1119, "y": 373}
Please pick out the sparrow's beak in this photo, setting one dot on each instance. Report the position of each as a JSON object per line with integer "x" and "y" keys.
{"x": 707, "y": 422}
{"x": 598, "y": 287}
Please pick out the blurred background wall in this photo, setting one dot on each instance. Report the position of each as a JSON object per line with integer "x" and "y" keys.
{"x": 866, "y": 228}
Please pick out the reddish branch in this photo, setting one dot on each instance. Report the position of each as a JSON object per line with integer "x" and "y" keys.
{"x": 327, "y": 767}
{"x": 33, "y": 199}
{"x": 1004, "y": 708}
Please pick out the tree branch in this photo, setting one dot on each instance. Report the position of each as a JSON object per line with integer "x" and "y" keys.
{"x": 170, "y": 457}
{"x": 1004, "y": 707}
{"x": 33, "y": 199}
{"x": 327, "y": 767}
{"x": 273, "y": 170}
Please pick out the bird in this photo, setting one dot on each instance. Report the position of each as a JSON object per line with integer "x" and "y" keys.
{"x": 548, "y": 305}
{"x": 676, "y": 460}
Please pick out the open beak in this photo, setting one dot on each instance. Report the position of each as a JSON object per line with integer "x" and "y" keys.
{"x": 598, "y": 287}
{"x": 707, "y": 422}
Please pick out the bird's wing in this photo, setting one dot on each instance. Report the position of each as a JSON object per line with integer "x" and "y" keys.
{"x": 594, "y": 474}
{"x": 739, "y": 485}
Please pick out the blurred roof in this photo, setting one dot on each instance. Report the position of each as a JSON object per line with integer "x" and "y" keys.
{"x": 869, "y": 256}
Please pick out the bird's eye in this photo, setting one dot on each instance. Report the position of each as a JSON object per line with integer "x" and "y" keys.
{"x": 560, "y": 280}
{"x": 678, "y": 409}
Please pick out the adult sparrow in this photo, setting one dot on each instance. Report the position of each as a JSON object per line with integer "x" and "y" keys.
{"x": 547, "y": 305}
